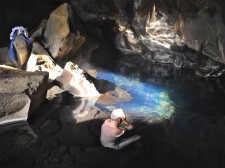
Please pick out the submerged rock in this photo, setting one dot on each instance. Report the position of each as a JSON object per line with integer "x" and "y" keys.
{"x": 114, "y": 96}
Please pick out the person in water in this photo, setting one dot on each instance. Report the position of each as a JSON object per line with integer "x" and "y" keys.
{"x": 111, "y": 131}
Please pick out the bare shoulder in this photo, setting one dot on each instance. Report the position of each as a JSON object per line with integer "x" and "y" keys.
{"x": 107, "y": 121}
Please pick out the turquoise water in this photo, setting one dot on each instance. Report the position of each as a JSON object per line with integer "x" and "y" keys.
{"x": 187, "y": 94}
{"x": 148, "y": 99}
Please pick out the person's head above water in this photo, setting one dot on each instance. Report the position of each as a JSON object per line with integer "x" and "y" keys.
{"x": 117, "y": 114}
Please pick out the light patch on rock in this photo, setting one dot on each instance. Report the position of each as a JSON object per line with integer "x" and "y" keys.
{"x": 14, "y": 108}
{"x": 58, "y": 34}
{"x": 53, "y": 91}
{"x": 8, "y": 67}
{"x": 85, "y": 106}
{"x": 73, "y": 80}
{"x": 44, "y": 63}
{"x": 114, "y": 96}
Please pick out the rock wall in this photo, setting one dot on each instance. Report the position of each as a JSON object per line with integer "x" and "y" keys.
{"x": 164, "y": 31}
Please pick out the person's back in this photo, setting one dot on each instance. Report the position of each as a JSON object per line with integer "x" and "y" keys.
{"x": 110, "y": 131}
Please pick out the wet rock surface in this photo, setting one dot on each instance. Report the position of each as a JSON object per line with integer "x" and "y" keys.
{"x": 147, "y": 42}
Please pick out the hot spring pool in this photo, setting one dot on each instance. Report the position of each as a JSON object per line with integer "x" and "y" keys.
{"x": 188, "y": 94}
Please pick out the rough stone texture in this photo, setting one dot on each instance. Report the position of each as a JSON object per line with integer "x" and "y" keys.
{"x": 82, "y": 55}
{"x": 95, "y": 9}
{"x": 111, "y": 93}
{"x": 138, "y": 26}
{"x": 127, "y": 39}
{"x": 113, "y": 96}
{"x": 204, "y": 33}
{"x": 22, "y": 50}
{"x": 33, "y": 84}
{"x": 53, "y": 92}
{"x": 147, "y": 27}
{"x": 14, "y": 107}
{"x": 4, "y": 57}
{"x": 73, "y": 79}
{"x": 38, "y": 49}
{"x": 39, "y": 31}
{"x": 67, "y": 133}
{"x": 58, "y": 34}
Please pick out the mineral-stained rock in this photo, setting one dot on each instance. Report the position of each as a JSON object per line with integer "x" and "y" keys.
{"x": 21, "y": 92}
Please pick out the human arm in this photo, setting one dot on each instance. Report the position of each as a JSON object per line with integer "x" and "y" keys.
{"x": 127, "y": 126}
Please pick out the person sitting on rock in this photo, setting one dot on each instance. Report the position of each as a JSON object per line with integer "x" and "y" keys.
{"x": 111, "y": 131}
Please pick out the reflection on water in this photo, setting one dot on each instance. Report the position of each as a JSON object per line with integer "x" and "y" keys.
{"x": 148, "y": 99}
{"x": 68, "y": 134}
{"x": 186, "y": 94}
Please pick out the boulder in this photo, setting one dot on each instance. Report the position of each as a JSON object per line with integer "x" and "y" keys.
{"x": 38, "y": 49}
{"x": 73, "y": 80}
{"x": 22, "y": 50}
{"x": 114, "y": 96}
{"x": 58, "y": 35}
{"x": 21, "y": 92}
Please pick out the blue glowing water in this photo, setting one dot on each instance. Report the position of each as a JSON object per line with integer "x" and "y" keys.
{"x": 148, "y": 99}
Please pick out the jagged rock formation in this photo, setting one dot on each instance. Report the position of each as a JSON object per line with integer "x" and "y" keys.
{"x": 58, "y": 35}
{"x": 172, "y": 32}
{"x": 49, "y": 39}
{"x": 21, "y": 93}
{"x": 73, "y": 79}
{"x": 39, "y": 62}
{"x": 164, "y": 32}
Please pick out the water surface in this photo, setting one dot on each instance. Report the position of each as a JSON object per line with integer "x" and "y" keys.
{"x": 187, "y": 93}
